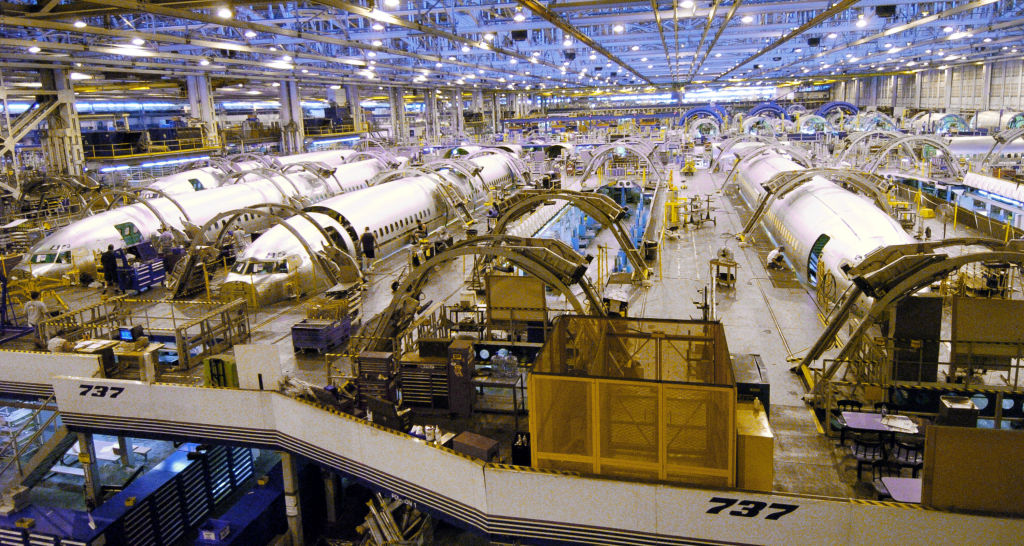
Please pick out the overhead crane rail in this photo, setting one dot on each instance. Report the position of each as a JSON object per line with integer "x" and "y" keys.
{"x": 549, "y": 260}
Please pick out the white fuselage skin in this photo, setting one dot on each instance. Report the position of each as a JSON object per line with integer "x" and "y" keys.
{"x": 210, "y": 177}
{"x": 854, "y": 225}
{"x": 276, "y": 266}
{"x": 75, "y": 245}
{"x": 977, "y": 147}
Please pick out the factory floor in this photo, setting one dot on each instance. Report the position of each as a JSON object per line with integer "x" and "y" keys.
{"x": 768, "y": 313}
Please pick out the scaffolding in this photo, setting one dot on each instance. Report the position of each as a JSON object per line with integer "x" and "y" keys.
{"x": 639, "y": 399}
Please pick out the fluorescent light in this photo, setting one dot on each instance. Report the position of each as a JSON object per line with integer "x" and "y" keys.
{"x": 512, "y": 61}
{"x": 138, "y": 41}
{"x": 250, "y": 34}
{"x": 535, "y": 53}
{"x": 377, "y": 43}
{"x": 224, "y": 13}
{"x": 391, "y": 3}
{"x": 335, "y": 87}
{"x": 34, "y": 49}
{"x": 489, "y": 37}
{"x": 567, "y": 42}
{"x": 80, "y": 76}
{"x": 686, "y": 4}
{"x": 519, "y": 17}
{"x": 747, "y": 19}
{"x": 987, "y": 40}
{"x": 79, "y": 24}
{"x": 947, "y": 30}
{"x": 438, "y": 65}
{"x": 204, "y": 62}
{"x": 377, "y": 26}
{"x": 718, "y": 54}
{"x": 286, "y": 58}
{"x": 618, "y": 28}
{"x": 371, "y": 54}
{"x": 832, "y": 36}
{"x": 533, "y": 60}
{"x": 465, "y": 48}
{"x": 861, "y": 23}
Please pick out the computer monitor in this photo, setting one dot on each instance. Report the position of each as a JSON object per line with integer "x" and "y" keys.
{"x": 129, "y": 333}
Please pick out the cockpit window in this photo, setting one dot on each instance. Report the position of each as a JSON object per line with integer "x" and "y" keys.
{"x": 44, "y": 258}
{"x": 260, "y": 267}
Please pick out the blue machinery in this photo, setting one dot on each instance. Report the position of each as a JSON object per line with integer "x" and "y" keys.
{"x": 158, "y": 508}
{"x": 575, "y": 228}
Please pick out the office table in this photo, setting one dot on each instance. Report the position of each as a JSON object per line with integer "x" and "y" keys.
{"x": 514, "y": 383}
{"x": 873, "y": 422}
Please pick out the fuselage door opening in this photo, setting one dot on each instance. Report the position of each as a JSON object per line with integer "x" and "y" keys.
{"x": 814, "y": 258}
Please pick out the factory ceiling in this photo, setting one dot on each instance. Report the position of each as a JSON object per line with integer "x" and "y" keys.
{"x": 525, "y": 45}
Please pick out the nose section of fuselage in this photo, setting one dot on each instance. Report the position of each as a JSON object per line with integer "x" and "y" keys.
{"x": 28, "y": 270}
{"x": 259, "y": 290}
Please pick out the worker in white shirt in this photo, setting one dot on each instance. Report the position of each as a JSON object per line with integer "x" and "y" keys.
{"x": 35, "y": 311}
{"x": 775, "y": 258}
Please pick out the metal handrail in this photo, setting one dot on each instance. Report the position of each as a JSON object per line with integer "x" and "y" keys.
{"x": 31, "y": 438}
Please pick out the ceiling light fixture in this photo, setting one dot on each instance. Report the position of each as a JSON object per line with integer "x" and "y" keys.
{"x": 34, "y": 49}
{"x": 377, "y": 26}
{"x": 947, "y": 30}
{"x": 832, "y": 36}
{"x": 567, "y": 42}
{"x": 489, "y": 37}
{"x": 618, "y": 29}
{"x": 138, "y": 41}
{"x": 635, "y": 48}
{"x": 204, "y": 62}
{"x": 377, "y": 43}
{"x": 79, "y": 24}
{"x": 391, "y": 3}
{"x": 747, "y": 19}
{"x": 465, "y": 49}
{"x": 224, "y": 13}
{"x": 250, "y": 34}
{"x": 519, "y": 17}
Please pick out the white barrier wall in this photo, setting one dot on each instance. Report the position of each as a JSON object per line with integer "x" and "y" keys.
{"x": 30, "y": 373}
{"x": 504, "y": 501}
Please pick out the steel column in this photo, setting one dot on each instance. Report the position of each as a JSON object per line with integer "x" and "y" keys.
{"x": 200, "y": 101}
{"x": 63, "y": 134}
{"x": 292, "y": 507}
{"x": 293, "y": 133}
{"x": 352, "y": 97}
{"x": 87, "y": 456}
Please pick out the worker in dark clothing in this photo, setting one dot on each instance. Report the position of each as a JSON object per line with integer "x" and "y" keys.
{"x": 369, "y": 244}
{"x": 420, "y": 233}
{"x": 109, "y": 263}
